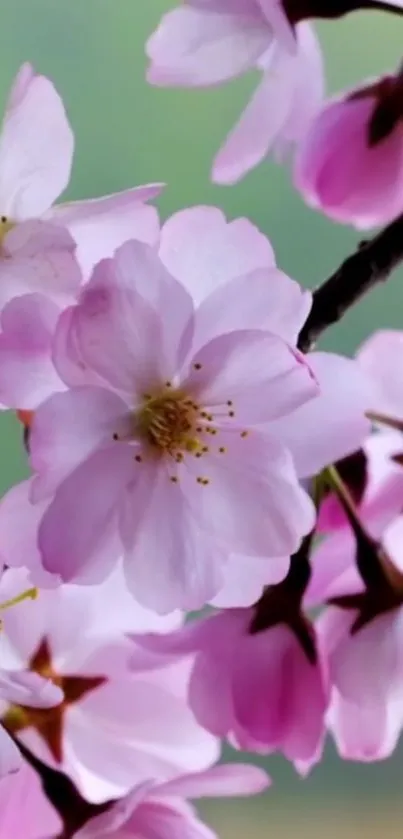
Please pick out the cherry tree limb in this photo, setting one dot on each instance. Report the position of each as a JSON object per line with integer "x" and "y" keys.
{"x": 371, "y": 265}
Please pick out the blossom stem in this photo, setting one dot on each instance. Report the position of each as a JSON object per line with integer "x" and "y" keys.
{"x": 372, "y": 264}
{"x": 368, "y": 555}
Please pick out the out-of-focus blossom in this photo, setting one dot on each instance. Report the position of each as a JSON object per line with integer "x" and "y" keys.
{"x": 24, "y": 808}
{"x": 116, "y": 727}
{"x": 36, "y": 153}
{"x": 171, "y": 429}
{"x": 205, "y": 44}
{"x": 350, "y": 164}
{"x": 362, "y": 633}
{"x": 34, "y": 691}
{"x": 161, "y": 811}
{"x": 380, "y": 356}
{"x": 261, "y": 689}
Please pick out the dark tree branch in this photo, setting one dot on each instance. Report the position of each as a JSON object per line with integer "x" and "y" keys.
{"x": 63, "y": 795}
{"x": 370, "y": 265}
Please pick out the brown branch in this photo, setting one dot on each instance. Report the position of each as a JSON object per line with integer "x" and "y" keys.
{"x": 372, "y": 264}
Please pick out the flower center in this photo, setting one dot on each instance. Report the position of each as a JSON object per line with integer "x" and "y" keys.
{"x": 5, "y": 226}
{"x": 167, "y": 422}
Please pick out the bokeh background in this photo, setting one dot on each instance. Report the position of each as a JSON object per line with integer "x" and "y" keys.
{"x": 128, "y": 133}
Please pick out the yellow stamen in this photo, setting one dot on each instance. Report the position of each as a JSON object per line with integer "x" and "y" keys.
{"x": 29, "y": 594}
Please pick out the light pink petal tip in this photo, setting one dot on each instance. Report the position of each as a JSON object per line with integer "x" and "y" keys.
{"x": 36, "y": 147}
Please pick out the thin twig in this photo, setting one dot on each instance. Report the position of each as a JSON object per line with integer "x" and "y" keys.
{"x": 372, "y": 264}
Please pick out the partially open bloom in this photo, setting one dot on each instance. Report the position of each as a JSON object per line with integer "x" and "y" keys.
{"x": 172, "y": 428}
{"x": 198, "y": 45}
{"x": 350, "y": 164}
{"x": 36, "y": 153}
{"x": 24, "y": 808}
{"x": 154, "y": 810}
{"x": 241, "y": 676}
{"x": 116, "y": 726}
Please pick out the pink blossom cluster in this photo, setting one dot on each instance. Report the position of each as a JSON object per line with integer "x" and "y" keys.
{"x": 185, "y": 454}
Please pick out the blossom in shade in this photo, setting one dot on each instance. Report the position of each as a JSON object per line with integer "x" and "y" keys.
{"x": 361, "y": 631}
{"x": 172, "y": 429}
{"x": 116, "y": 726}
{"x": 24, "y": 808}
{"x": 197, "y": 45}
{"x": 161, "y": 810}
{"x": 36, "y": 153}
{"x": 350, "y": 163}
{"x": 33, "y": 692}
{"x": 259, "y": 688}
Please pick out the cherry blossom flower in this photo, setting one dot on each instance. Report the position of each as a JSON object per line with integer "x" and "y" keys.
{"x": 167, "y": 431}
{"x": 350, "y": 163}
{"x": 116, "y": 727}
{"x": 198, "y": 45}
{"x": 24, "y": 808}
{"x": 153, "y": 809}
{"x": 36, "y": 152}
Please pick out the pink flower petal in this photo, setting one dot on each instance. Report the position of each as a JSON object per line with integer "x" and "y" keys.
{"x": 159, "y": 737}
{"x": 280, "y": 110}
{"x": 264, "y": 299}
{"x": 27, "y": 374}
{"x": 99, "y": 226}
{"x": 379, "y": 356}
{"x": 194, "y": 46}
{"x": 204, "y": 251}
{"x": 19, "y": 544}
{"x": 118, "y": 330}
{"x": 245, "y": 578}
{"x": 257, "y": 372}
{"x": 365, "y": 732}
{"x": 218, "y": 781}
{"x": 39, "y": 256}
{"x": 30, "y": 689}
{"x": 36, "y": 147}
{"x": 10, "y": 758}
{"x": 69, "y": 427}
{"x": 364, "y": 667}
{"x": 77, "y": 535}
{"x": 25, "y": 810}
{"x": 333, "y": 425}
{"x": 177, "y": 550}
{"x": 253, "y": 502}
{"x": 279, "y": 696}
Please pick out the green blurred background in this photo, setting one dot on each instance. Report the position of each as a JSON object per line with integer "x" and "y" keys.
{"x": 127, "y": 134}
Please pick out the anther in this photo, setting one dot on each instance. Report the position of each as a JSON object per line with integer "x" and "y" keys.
{"x": 197, "y": 366}
{"x": 222, "y": 450}
{"x": 244, "y": 433}
{"x": 229, "y": 403}
{"x": 174, "y": 479}
{"x": 138, "y": 458}
{"x": 231, "y": 413}
{"x": 115, "y": 436}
